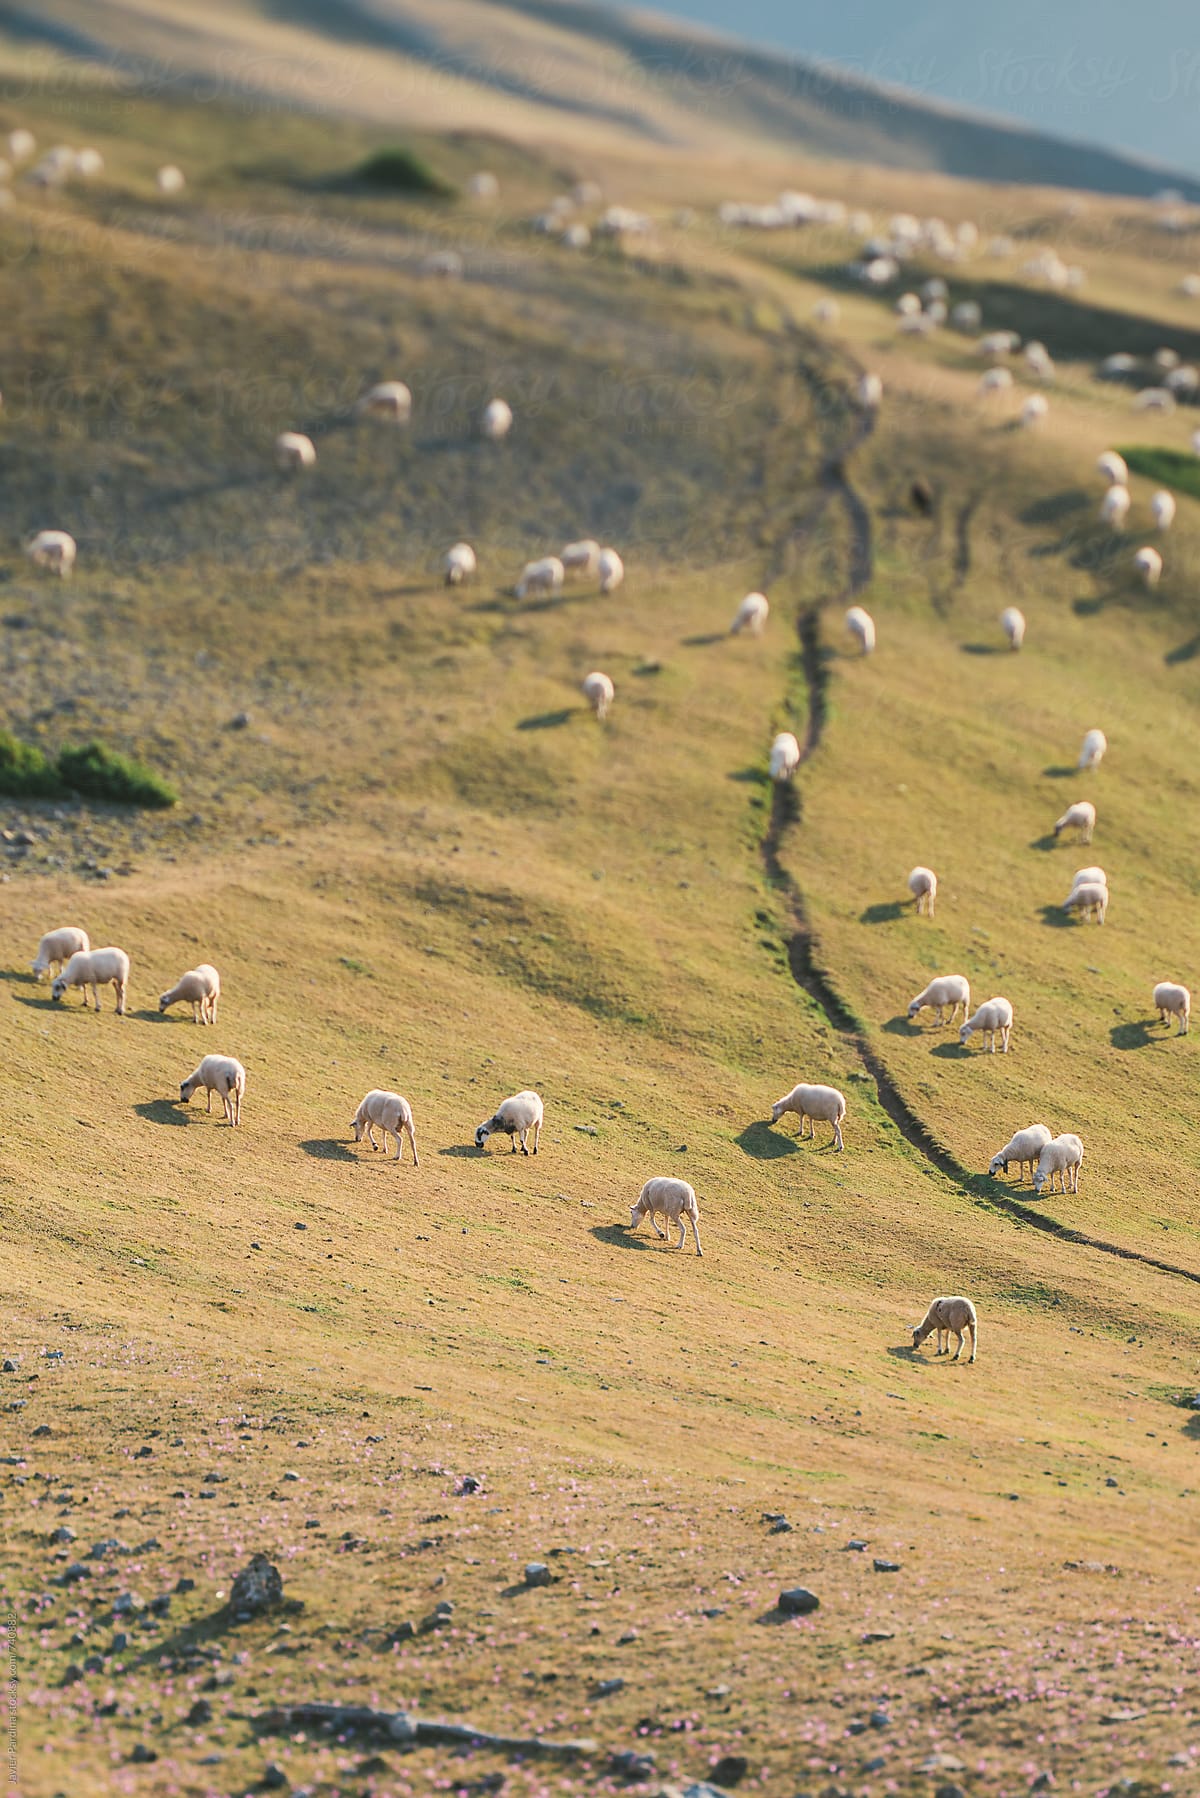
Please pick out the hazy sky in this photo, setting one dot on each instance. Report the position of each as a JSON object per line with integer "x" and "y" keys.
{"x": 1123, "y": 73}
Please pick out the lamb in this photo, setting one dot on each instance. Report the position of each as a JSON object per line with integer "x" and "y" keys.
{"x": 750, "y": 616}
{"x": 861, "y": 626}
{"x": 994, "y": 1018}
{"x": 544, "y": 576}
{"x": 459, "y": 564}
{"x": 948, "y": 989}
{"x": 389, "y": 400}
{"x": 611, "y": 570}
{"x": 1012, "y": 623}
{"x": 95, "y": 968}
{"x": 1035, "y": 409}
{"x": 1093, "y": 748}
{"x": 811, "y": 1102}
{"x": 582, "y": 557}
{"x": 169, "y": 179}
{"x": 674, "y": 1200}
{"x": 294, "y": 451}
{"x": 1026, "y": 1145}
{"x": 996, "y": 380}
{"x": 496, "y": 421}
{"x": 869, "y": 392}
{"x": 1114, "y": 507}
{"x": 54, "y": 551}
{"x": 1089, "y": 899}
{"x": 58, "y": 946}
{"x": 1113, "y": 467}
{"x": 598, "y": 690}
{"x": 516, "y": 1117}
{"x": 1080, "y": 816}
{"x": 218, "y": 1074}
{"x": 785, "y": 756}
{"x": 1173, "y": 1001}
{"x": 388, "y": 1112}
{"x": 200, "y": 987}
{"x": 949, "y": 1316}
{"x": 922, "y": 884}
{"x": 1149, "y": 565}
{"x": 1162, "y": 505}
{"x": 1064, "y": 1157}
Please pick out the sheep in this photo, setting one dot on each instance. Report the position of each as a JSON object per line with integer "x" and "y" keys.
{"x": 388, "y": 1112}
{"x": 861, "y": 626}
{"x": 1089, "y": 899}
{"x": 57, "y": 947}
{"x": 598, "y": 690}
{"x": 1115, "y": 368}
{"x": 785, "y": 756}
{"x": 1149, "y": 565}
{"x": 1064, "y": 1157}
{"x": 1154, "y": 399}
{"x": 1113, "y": 467}
{"x": 95, "y": 968}
{"x": 516, "y": 1117}
{"x": 1162, "y": 505}
{"x": 922, "y": 884}
{"x": 496, "y": 421}
{"x": 966, "y": 315}
{"x": 811, "y": 1102}
{"x": 827, "y": 312}
{"x": 869, "y": 392}
{"x": 750, "y": 616}
{"x": 294, "y": 451}
{"x": 1026, "y": 1145}
{"x": 88, "y": 163}
{"x": 611, "y": 570}
{"x": 1035, "y": 409}
{"x": 54, "y": 551}
{"x": 201, "y": 988}
{"x": 949, "y": 1316}
{"x": 1080, "y": 816}
{"x": 1012, "y": 623}
{"x": 1089, "y": 877}
{"x": 544, "y": 576}
{"x": 675, "y": 1200}
{"x": 388, "y": 400}
{"x": 908, "y": 305}
{"x": 994, "y": 1018}
{"x": 1173, "y": 1001}
{"x": 458, "y": 564}
{"x": 169, "y": 179}
{"x": 576, "y": 236}
{"x": 483, "y": 185}
{"x": 948, "y": 989}
{"x": 1114, "y": 507}
{"x": 580, "y": 558}
{"x": 21, "y": 145}
{"x": 996, "y": 380}
{"x": 448, "y": 265}
{"x": 218, "y": 1074}
{"x": 1093, "y": 748}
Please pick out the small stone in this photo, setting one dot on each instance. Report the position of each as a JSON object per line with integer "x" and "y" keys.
{"x": 64, "y": 1533}
{"x": 730, "y": 1770}
{"x": 949, "y": 1790}
{"x": 143, "y": 1755}
{"x": 240, "y": 721}
{"x": 856, "y": 1545}
{"x": 258, "y": 1587}
{"x": 537, "y": 1574}
{"x": 468, "y": 1484}
{"x": 879, "y": 1635}
{"x": 798, "y": 1601}
{"x": 127, "y": 1604}
{"x": 201, "y": 1712}
{"x": 289, "y": 1475}
{"x": 12, "y": 1364}
{"x": 630, "y": 1635}
{"x": 43, "y": 1429}
{"x": 713, "y": 1610}
{"x": 94, "y": 1663}
{"x": 402, "y": 1728}
{"x": 119, "y": 1643}
{"x": 880, "y": 1720}
{"x": 781, "y": 1527}
{"x": 632, "y": 1766}
{"x": 274, "y": 1779}
{"x": 607, "y": 1687}
{"x": 941, "y": 1762}
{"x": 161, "y": 1605}
{"x": 185, "y": 1584}
{"x": 1110, "y": 1481}
{"x": 882, "y": 1566}
{"x": 1042, "y": 1782}
{"x": 72, "y": 1674}
{"x": 402, "y": 1632}
{"x": 718, "y": 1692}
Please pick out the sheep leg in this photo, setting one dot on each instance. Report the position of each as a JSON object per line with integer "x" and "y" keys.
{"x": 695, "y": 1233}
{"x": 371, "y": 1136}
{"x": 654, "y": 1226}
{"x": 959, "y": 1339}
{"x": 237, "y": 1102}
{"x": 208, "y": 1100}
{"x": 121, "y": 989}
{"x": 537, "y": 1136}
{"x": 682, "y": 1231}
{"x": 806, "y": 1120}
{"x": 1004, "y": 1036}
{"x": 524, "y": 1144}
{"x": 974, "y": 1344}
{"x": 837, "y": 1135}
{"x": 397, "y": 1135}
{"x": 95, "y": 997}
{"x": 412, "y": 1143}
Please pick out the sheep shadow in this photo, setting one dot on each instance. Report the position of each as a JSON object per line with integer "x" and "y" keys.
{"x": 620, "y": 1236}
{"x": 1192, "y": 1427}
{"x": 751, "y": 777}
{"x": 47, "y": 1004}
{"x": 1054, "y": 507}
{"x": 885, "y": 912}
{"x": 981, "y": 649}
{"x": 460, "y": 1150}
{"x": 704, "y": 641}
{"x": 1091, "y": 605}
{"x": 904, "y": 1351}
{"x": 17, "y": 977}
{"x": 550, "y": 720}
{"x": 327, "y": 1148}
{"x": 1185, "y": 652}
{"x": 951, "y": 1051}
{"x": 1049, "y": 841}
{"x": 163, "y": 1111}
{"x": 1057, "y": 771}
{"x": 765, "y": 1143}
{"x": 1136, "y": 1035}
{"x": 902, "y": 1025}
{"x": 1056, "y": 918}
{"x": 162, "y": 1017}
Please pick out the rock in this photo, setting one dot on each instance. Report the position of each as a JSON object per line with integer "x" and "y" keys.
{"x": 467, "y": 1485}
{"x": 119, "y": 1643}
{"x": 941, "y": 1763}
{"x": 537, "y": 1574}
{"x": 43, "y": 1429}
{"x": 630, "y": 1635}
{"x": 949, "y": 1790}
{"x": 798, "y": 1601}
{"x": 257, "y": 1588}
{"x": 74, "y": 1573}
{"x": 781, "y": 1527}
{"x": 882, "y": 1566}
{"x": 201, "y": 1712}
{"x": 630, "y": 1765}
{"x": 240, "y": 721}
{"x": 402, "y": 1632}
{"x": 879, "y": 1635}
{"x": 142, "y": 1756}
{"x": 1042, "y": 1782}
{"x": 161, "y": 1605}
{"x": 72, "y": 1674}
{"x": 606, "y": 1687}
{"x": 876, "y": 1764}
{"x": 94, "y": 1663}
{"x": 1110, "y": 1481}
{"x": 880, "y": 1720}
{"x": 127, "y": 1604}
{"x": 402, "y": 1728}
{"x": 12, "y": 1364}
{"x": 730, "y": 1770}
{"x": 274, "y": 1779}
{"x": 856, "y": 1545}
{"x": 64, "y": 1533}
{"x": 98, "y": 1550}
{"x": 713, "y": 1610}
{"x": 184, "y": 1584}
{"x": 718, "y": 1692}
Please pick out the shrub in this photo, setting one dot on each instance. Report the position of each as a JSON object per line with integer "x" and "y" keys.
{"x": 1170, "y": 468}
{"x": 24, "y": 771}
{"x": 402, "y": 171}
{"x": 100, "y": 773}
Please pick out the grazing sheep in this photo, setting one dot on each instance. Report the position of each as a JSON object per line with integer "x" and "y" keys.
{"x": 785, "y": 756}
{"x": 516, "y": 1117}
{"x": 200, "y": 987}
{"x": 1064, "y": 1157}
{"x": 1114, "y": 507}
{"x": 1025, "y": 1146}
{"x": 1081, "y": 817}
{"x": 1154, "y": 399}
{"x": 1173, "y": 1001}
{"x": 57, "y": 947}
{"x": 387, "y": 1112}
{"x": 544, "y": 576}
{"x": 169, "y": 179}
{"x": 1089, "y": 899}
{"x": 458, "y": 564}
{"x": 1093, "y": 748}
{"x": 52, "y": 550}
{"x": 88, "y": 163}
{"x": 861, "y": 626}
{"x": 1012, "y": 623}
{"x": 922, "y": 884}
{"x": 1149, "y": 565}
{"x": 218, "y": 1074}
{"x": 388, "y": 400}
{"x": 448, "y": 265}
{"x": 994, "y": 1018}
{"x": 598, "y": 690}
{"x": 949, "y": 1317}
{"x": 294, "y": 451}
{"x": 611, "y": 570}
{"x": 967, "y": 315}
{"x": 1113, "y": 467}
{"x": 811, "y": 1102}
{"x": 750, "y": 616}
{"x": 1089, "y": 876}
{"x": 996, "y": 380}
{"x": 948, "y": 989}
{"x": 95, "y": 968}
{"x": 674, "y": 1200}
{"x": 580, "y": 558}
{"x": 1162, "y": 505}
{"x": 21, "y": 145}
{"x": 483, "y": 185}
{"x": 869, "y": 392}
{"x": 496, "y": 421}
{"x": 1035, "y": 409}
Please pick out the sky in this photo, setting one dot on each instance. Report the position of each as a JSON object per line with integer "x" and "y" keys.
{"x": 1121, "y": 73}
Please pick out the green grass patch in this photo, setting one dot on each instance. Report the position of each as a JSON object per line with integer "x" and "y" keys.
{"x": 24, "y": 771}
{"x": 1170, "y": 467}
{"x": 402, "y": 171}
{"x": 91, "y": 770}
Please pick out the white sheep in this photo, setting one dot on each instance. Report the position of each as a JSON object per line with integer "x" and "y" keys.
{"x": 544, "y": 576}
{"x": 1154, "y": 399}
{"x": 459, "y": 564}
{"x": 218, "y": 1074}
{"x": 827, "y": 312}
{"x": 785, "y": 756}
{"x": 200, "y": 988}
{"x": 580, "y": 558}
{"x": 95, "y": 968}
{"x": 993, "y": 1019}
{"x": 922, "y": 884}
{"x": 483, "y": 185}
{"x": 1025, "y": 1146}
{"x": 1080, "y": 816}
{"x": 516, "y": 1117}
{"x": 88, "y": 163}
{"x": 598, "y": 690}
{"x": 54, "y": 551}
{"x": 861, "y": 626}
{"x": 387, "y": 1112}
{"x": 1113, "y": 468}
{"x": 996, "y": 380}
{"x": 948, "y": 989}
{"x": 1093, "y": 749}
{"x": 611, "y": 570}
{"x": 169, "y": 179}
{"x": 1035, "y": 409}
{"x": 1115, "y": 368}
{"x": 869, "y": 392}
{"x": 1162, "y": 505}
{"x": 674, "y": 1200}
{"x": 1088, "y": 877}
{"x": 21, "y": 144}
{"x": 1012, "y": 623}
{"x": 949, "y": 1316}
{"x": 447, "y": 265}
{"x": 57, "y": 947}
{"x": 750, "y": 616}
{"x": 388, "y": 400}
{"x": 1064, "y": 1157}
{"x": 1114, "y": 507}
{"x": 1089, "y": 899}
{"x": 294, "y": 451}
{"x": 1173, "y": 1001}
{"x": 811, "y": 1102}
{"x": 1149, "y": 565}
{"x": 496, "y": 421}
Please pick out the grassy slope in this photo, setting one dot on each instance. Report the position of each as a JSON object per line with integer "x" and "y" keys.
{"x": 422, "y": 864}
